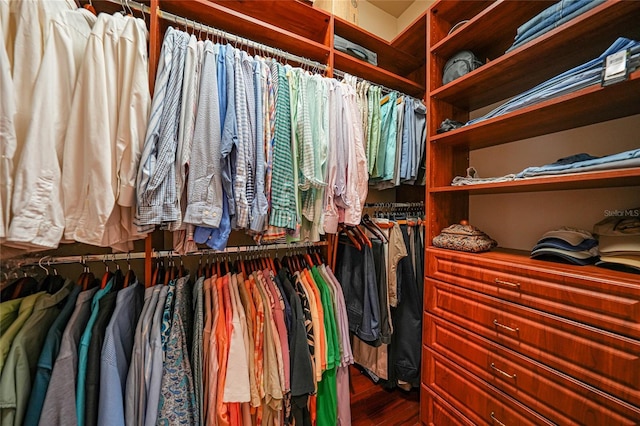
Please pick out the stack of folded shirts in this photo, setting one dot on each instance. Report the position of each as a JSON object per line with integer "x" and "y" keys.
{"x": 568, "y": 245}
{"x": 619, "y": 237}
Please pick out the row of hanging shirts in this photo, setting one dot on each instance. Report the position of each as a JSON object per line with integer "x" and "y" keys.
{"x": 254, "y": 341}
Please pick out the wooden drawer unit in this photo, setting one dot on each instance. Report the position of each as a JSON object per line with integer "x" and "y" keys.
{"x": 437, "y": 412}
{"x": 475, "y": 399}
{"x": 602, "y": 298}
{"x": 604, "y": 360}
{"x": 554, "y": 395}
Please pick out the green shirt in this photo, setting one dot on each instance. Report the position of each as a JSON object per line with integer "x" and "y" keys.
{"x": 26, "y": 307}
{"x": 327, "y": 402}
{"x": 283, "y": 197}
{"x": 20, "y": 367}
{"x": 8, "y": 313}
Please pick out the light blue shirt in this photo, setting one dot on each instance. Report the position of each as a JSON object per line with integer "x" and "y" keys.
{"x": 83, "y": 351}
{"x": 116, "y": 355}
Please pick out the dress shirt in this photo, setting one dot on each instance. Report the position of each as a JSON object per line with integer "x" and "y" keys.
{"x": 93, "y": 373}
{"x": 7, "y": 130}
{"x": 238, "y": 389}
{"x": 204, "y": 187}
{"x": 242, "y": 144}
{"x": 47, "y": 358}
{"x": 100, "y": 156}
{"x": 358, "y": 176}
{"x": 283, "y": 203}
{"x": 277, "y": 309}
{"x": 30, "y": 22}
{"x": 419, "y": 136}
{"x": 60, "y": 401}
{"x": 83, "y": 352}
{"x": 6, "y": 339}
{"x": 197, "y": 345}
{"x": 259, "y": 206}
{"x": 8, "y": 313}
{"x": 156, "y": 187}
{"x": 38, "y": 215}
{"x": 116, "y": 355}
{"x": 250, "y": 314}
{"x": 135, "y": 391}
{"x": 330, "y": 212}
{"x": 153, "y": 363}
{"x": 302, "y": 378}
{"x": 188, "y": 108}
{"x": 177, "y": 403}
{"x": 229, "y": 142}
{"x": 373, "y": 136}
{"x": 20, "y": 366}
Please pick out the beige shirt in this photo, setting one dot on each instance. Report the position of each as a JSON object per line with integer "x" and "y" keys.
{"x": 38, "y": 214}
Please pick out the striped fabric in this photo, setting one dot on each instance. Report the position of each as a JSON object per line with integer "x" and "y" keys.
{"x": 240, "y": 183}
{"x": 283, "y": 203}
{"x": 156, "y": 183}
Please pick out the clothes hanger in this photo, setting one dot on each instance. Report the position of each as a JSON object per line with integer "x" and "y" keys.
{"x": 344, "y": 230}
{"x": 107, "y": 274}
{"x": 90, "y": 8}
{"x": 363, "y": 237}
{"x": 373, "y": 227}
{"x": 130, "y": 276}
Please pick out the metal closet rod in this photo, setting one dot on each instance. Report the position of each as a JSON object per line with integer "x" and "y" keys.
{"x": 224, "y": 34}
{"x": 339, "y": 73}
{"x": 180, "y": 20}
{"x": 109, "y": 257}
{"x": 395, "y": 205}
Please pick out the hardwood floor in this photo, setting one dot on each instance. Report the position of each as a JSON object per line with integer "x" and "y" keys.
{"x": 371, "y": 405}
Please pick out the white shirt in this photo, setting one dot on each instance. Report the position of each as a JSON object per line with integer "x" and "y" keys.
{"x": 7, "y": 135}
{"x": 101, "y": 156}
{"x": 29, "y": 26}
{"x": 38, "y": 216}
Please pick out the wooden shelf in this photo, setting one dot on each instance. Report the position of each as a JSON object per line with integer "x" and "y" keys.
{"x": 309, "y": 22}
{"x": 588, "y": 180}
{"x": 413, "y": 39}
{"x": 501, "y": 17}
{"x": 389, "y": 57}
{"x": 552, "y": 53}
{"x": 452, "y": 13}
{"x": 523, "y": 258}
{"x": 351, "y": 65}
{"x": 235, "y": 22}
{"x": 590, "y": 105}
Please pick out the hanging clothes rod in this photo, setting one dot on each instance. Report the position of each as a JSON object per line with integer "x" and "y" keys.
{"x": 130, "y": 4}
{"x": 233, "y": 38}
{"x": 419, "y": 204}
{"x": 338, "y": 73}
{"x": 83, "y": 259}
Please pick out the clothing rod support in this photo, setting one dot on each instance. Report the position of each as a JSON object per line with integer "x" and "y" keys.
{"x": 197, "y": 26}
{"x": 109, "y": 257}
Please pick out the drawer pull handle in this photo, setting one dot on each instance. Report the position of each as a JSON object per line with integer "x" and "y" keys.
{"x": 506, "y": 327}
{"x": 504, "y": 373}
{"x": 506, "y": 283}
{"x": 496, "y": 420}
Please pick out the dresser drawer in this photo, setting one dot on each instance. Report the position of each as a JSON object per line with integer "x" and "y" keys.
{"x": 610, "y": 301}
{"x": 476, "y": 400}
{"x": 601, "y": 359}
{"x": 557, "y": 397}
{"x": 435, "y": 411}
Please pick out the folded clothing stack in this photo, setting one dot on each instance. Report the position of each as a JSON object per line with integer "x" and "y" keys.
{"x": 568, "y": 245}
{"x": 619, "y": 237}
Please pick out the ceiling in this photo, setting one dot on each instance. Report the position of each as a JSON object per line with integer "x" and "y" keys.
{"x": 392, "y": 7}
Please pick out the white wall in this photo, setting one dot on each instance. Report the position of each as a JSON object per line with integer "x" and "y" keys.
{"x": 518, "y": 220}
{"x": 376, "y": 20}
{"x": 412, "y": 12}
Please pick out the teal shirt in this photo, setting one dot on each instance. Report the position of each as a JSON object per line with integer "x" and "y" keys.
{"x": 47, "y": 358}
{"x": 387, "y": 149}
{"x": 83, "y": 352}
